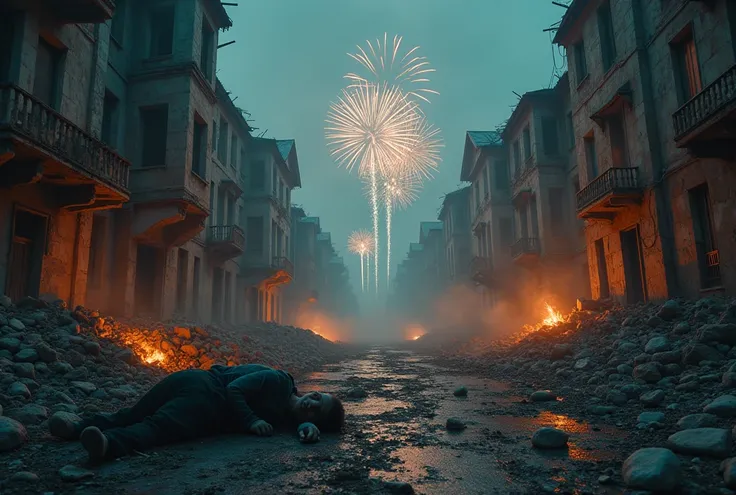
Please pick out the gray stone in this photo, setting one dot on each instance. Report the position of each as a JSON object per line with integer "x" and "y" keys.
{"x": 599, "y": 410}
{"x": 583, "y": 364}
{"x": 24, "y": 477}
{"x": 627, "y": 346}
{"x": 24, "y": 370}
{"x": 460, "y": 392}
{"x": 700, "y": 420}
{"x": 720, "y": 333}
{"x": 650, "y": 417}
{"x": 5, "y": 301}
{"x": 61, "y": 367}
{"x": 27, "y": 356}
{"x": 16, "y": 325}
{"x": 549, "y": 438}
{"x": 400, "y": 487}
{"x": 46, "y": 353}
{"x": 729, "y": 472}
{"x": 19, "y": 389}
{"x": 75, "y": 473}
{"x": 617, "y": 397}
{"x": 652, "y": 469}
{"x": 649, "y": 372}
{"x": 696, "y": 353}
{"x": 455, "y": 424}
{"x": 657, "y": 344}
{"x": 92, "y": 348}
{"x": 542, "y": 396}
{"x": 653, "y": 398}
{"x": 355, "y": 393}
{"x": 624, "y": 369}
{"x": 10, "y": 344}
{"x": 710, "y": 442}
{"x": 667, "y": 357}
{"x": 723, "y": 406}
{"x": 632, "y": 390}
{"x": 687, "y": 387}
{"x": 12, "y": 434}
{"x": 669, "y": 310}
{"x": 729, "y": 379}
{"x": 30, "y": 414}
{"x": 671, "y": 369}
{"x": 682, "y": 327}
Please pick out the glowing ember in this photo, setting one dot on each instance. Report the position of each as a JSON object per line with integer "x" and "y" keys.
{"x": 553, "y": 317}
{"x": 417, "y": 337}
{"x": 154, "y": 356}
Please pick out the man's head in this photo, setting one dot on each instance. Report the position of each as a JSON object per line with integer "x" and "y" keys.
{"x": 324, "y": 410}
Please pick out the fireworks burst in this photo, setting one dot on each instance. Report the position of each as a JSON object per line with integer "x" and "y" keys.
{"x": 423, "y": 158}
{"x": 361, "y": 242}
{"x": 387, "y": 66}
{"x": 399, "y": 189}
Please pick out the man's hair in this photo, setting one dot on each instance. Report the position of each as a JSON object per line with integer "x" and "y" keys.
{"x": 334, "y": 421}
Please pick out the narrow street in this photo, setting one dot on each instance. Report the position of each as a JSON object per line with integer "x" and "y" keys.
{"x": 396, "y": 434}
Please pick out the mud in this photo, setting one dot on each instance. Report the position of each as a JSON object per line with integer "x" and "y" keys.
{"x": 396, "y": 434}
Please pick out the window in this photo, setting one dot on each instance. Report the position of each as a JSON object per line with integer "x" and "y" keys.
{"x": 213, "y": 195}
{"x": 117, "y": 25}
{"x": 199, "y": 148}
{"x": 222, "y": 141}
{"x": 506, "y": 228}
{"x": 214, "y": 135}
{"x": 162, "y": 31}
{"x": 570, "y": 131}
{"x": 591, "y": 158}
{"x": 705, "y": 246}
{"x": 254, "y": 235}
{"x": 619, "y": 148}
{"x": 527, "y": 143}
{"x": 517, "y": 158}
{"x": 205, "y": 59}
{"x": 581, "y": 66}
{"x": 258, "y": 175}
{"x": 549, "y": 136}
{"x": 47, "y": 81}
{"x": 110, "y": 120}
{"x": 234, "y": 151}
{"x": 501, "y": 175}
{"x": 7, "y": 37}
{"x": 556, "y": 210}
{"x": 154, "y": 131}
{"x": 685, "y": 63}
{"x": 608, "y": 43}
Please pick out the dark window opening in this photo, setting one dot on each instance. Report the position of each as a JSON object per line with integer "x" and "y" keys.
{"x": 517, "y": 158}
{"x": 501, "y": 172}
{"x": 96, "y": 252}
{"x": 688, "y": 82}
{"x": 600, "y": 254}
{"x": 148, "y": 280}
{"x": 47, "y": 80}
{"x": 254, "y": 235}
{"x": 633, "y": 267}
{"x": 581, "y": 65}
{"x": 234, "y": 151}
{"x": 199, "y": 148}
{"x": 527, "y": 143}
{"x": 570, "y": 131}
{"x": 154, "y": 131}
{"x": 182, "y": 267}
{"x": 162, "y": 31}
{"x": 705, "y": 245}
{"x": 550, "y": 140}
{"x": 591, "y": 158}
{"x": 195, "y": 286}
{"x": 27, "y": 248}
{"x": 110, "y": 120}
{"x": 7, "y": 41}
{"x": 205, "y": 60}
{"x": 619, "y": 147}
{"x": 608, "y": 43}
{"x": 117, "y": 25}
{"x": 222, "y": 141}
{"x": 258, "y": 175}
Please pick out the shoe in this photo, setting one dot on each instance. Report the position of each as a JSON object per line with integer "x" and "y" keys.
{"x": 95, "y": 443}
{"x": 65, "y": 425}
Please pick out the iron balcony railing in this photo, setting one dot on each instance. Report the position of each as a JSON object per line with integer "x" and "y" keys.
{"x": 705, "y": 104}
{"x": 27, "y": 116}
{"x": 283, "y": 263}
{"x": 227, "y": 233}
{"x": 525, "y": 245}
{"x": 613, "y": 180}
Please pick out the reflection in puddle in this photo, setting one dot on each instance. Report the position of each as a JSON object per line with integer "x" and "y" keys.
{"x": 373, "y": 406}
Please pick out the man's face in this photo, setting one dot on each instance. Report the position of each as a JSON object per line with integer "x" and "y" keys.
{"x": 313, "y": 406}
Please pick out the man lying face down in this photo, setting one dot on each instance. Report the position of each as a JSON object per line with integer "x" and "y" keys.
{"x": 191, "y": 404}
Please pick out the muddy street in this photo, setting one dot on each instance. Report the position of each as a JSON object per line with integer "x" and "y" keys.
{"x": 396, "y": 438}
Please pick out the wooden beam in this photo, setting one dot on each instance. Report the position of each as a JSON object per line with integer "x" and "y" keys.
{"x": 18, "y": 173}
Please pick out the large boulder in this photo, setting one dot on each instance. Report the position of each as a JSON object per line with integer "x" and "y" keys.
{"x": 722, "y": 333}
{"x": 652, "y": 469}
{"x": 709, "y": 442}
{"x": 657, "y": 344}
{"x": 649, "y": 372}
{"x": 701, "y": 420}
{"x": 723, "y": 406}
{"x": 669, "y": 310}
{"x": 12, "y": 434}
{"x": 549, "y": 438}
{"x": 697, "y": 353}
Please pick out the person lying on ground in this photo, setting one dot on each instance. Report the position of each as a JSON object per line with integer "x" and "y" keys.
{"x": 191, "y": 404}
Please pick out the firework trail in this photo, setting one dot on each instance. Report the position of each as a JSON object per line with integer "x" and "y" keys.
{"x": 374, "y": 127}
{"x": 399, "y": 189}
{"x": 360, "y": 242}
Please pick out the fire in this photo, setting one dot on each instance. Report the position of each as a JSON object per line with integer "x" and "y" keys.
{"x": 553, "y": 317}
{"x": 414, "y": 332}
{"x": 151, "y": 355}
{"x": 417, "y": 337}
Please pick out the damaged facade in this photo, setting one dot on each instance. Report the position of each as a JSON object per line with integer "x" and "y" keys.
{"x": 132, "y": 182}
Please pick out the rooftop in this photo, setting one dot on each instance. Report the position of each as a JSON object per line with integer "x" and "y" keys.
{"x": 481, "y": 139}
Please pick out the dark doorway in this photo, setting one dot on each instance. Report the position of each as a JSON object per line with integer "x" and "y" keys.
{"x": 705, "y": 242}
{"x": 27, "y": 248}
{"x": 633, "y": 268}
{"x": 600, "y": 255}
{"x": 148, "y": 277}
{"x": 217, "y": 277}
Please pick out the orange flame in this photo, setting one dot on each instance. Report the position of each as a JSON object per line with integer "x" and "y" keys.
{"x": 553, "y": 317}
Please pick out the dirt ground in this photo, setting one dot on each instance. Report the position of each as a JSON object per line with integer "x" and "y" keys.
{"x": 396, "y": 441}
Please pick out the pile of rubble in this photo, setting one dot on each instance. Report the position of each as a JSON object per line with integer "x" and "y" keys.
{"x": 53, "y": 359}
{"x": 666, "y": 371}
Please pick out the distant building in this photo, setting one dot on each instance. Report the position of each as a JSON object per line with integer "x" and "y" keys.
{"x": 455, "y": 216}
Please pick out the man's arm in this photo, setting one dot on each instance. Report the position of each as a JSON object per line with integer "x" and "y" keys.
{"x": 245, "y": 388}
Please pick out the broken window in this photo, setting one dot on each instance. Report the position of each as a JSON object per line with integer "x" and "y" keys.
{"x": 556, "y": 210}
{"x": 222, "y": 141}
{"x": 254, "y": 235}
{"x": 605, "y": 28}
{"x": 258, "y": 175}
{"x": 47, "y": 80}
{"x": 205, "y": 59}
{"x": 199, "y": 148}
{"x": 527, "y": 143}
{"x": 110, "y": 120}
{"x": 687, "y": 69}
{"x": 214, "y": 136}
{"x": 162, "y": 31}
{"x": 117, "y": 25}
{"x": 581, "y": 66}
{"x": 274, "y": 180}
{"x": 549, "y": 136}
{"x": 619, "y": 148}
{"x": 154, "y": 131}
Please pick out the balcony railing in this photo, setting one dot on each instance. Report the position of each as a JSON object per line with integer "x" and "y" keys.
{"x": 26, "y": 116}
{"x": 227, "y": 233}
{"x": 283, "y": 263}
{"x": 612, "y": 181}
{"x": 705, "y": 104}
{"x": 525, "y": 245}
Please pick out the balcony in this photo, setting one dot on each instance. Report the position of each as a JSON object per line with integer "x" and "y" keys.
{"x": 39, "y": 144}
{"x": 266, "y": 273}
{"x": 82, "y": 11}
{"x": 480, "y": 270}
{"x": 706, "y": 125}
{"x": 225, "y": 242}
{"x": 525, "y": 251}
{"x": 283, "y": 263}
{"x": 613, "y": 190}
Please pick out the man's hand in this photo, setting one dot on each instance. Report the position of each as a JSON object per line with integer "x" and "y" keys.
{"x": 261, "y": 428}
{"x": 308, "y": 433}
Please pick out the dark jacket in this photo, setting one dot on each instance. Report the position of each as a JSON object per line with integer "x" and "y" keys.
{"x": 256, "y": 392}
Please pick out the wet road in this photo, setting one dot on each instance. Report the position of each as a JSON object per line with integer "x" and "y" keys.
{"x": 397, "y": 433}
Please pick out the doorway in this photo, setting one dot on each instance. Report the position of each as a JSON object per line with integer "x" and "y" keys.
{"x": 600, "y": 255}
{"x": 27, "y": 248}
{"x": 148, "y": 278}
{"x": 633, "y": 267}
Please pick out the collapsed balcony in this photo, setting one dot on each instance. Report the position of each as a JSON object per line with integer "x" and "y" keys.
{"x": 608, "y": 193}
{"x": 38, "y": 145}
{"x": 225, "y": 242}
{"x": 526, "y": 251}
{"x": 279, "y": 270}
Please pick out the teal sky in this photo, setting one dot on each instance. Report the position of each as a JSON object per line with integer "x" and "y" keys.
{"x": 290, "y": 55}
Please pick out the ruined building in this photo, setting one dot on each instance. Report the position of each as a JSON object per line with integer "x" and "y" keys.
{"x": 132, "y": 182}
{"x": 455, "y": 217}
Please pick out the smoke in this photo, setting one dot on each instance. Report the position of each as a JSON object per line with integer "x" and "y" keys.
{"x": 328, "y": 326}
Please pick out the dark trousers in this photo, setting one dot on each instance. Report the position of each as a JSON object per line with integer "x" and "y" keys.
{"x": 183, "y": 406}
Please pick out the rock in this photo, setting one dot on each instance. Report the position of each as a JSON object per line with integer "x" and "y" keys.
{"x": 701, "y": 420}
{"x": 183, "y": 333}
{"x": 30, "y": 414}
{"x": 455, "y": 424}
{"x": 16, "y": 325}
{"x": 719, "y": 332}
{"x": 723, "y": 406}
{"x": 617, "y": 397}
{"x": 357, "y": 393}
{"x": 10, "y": 344}
{"x": 682, "y": 327}
{"x": 649, "y": 372}
{"x": 604, "y": 479}
{"x": 86, "y": 387}
{"x": 549, "y": 438}
{"x": 729, "y": 472}
{"x": 696, "y": 353}
{"x": 26, "y": 356}
{"x": 460, "y": 392}
{"x": 5, "y": 301}
{"x": 671, "y": 369}
{"x": 24, "y": 477}
{"x": 655, "y": 321}
{"x": 729, "y": 379}
{"x": 560, "y": 351}
{"x": 189, "y": 350}
{"x": 627, "y": 347}
{"x": 648, "y": 418}
{"x": 601, "y": 410}
{"x": 583, "y": 364}
{"x": 652, "y": 469}
{"x": 12, "y": 434}
{"x": 19, "y": 389}
{"x": 74, "y": 473}
{"x": 653, "y": 398}
{"x": 657, "y": 344}
{"x": 667, "y": 357}
{"x": 46, "y": 353}
{"x": 669, "y": 310}
{"x": 25, "y": 370}
{"x": 398, "y": 487}
{"x": 92, "y": 348}
{"x": 710, "y": 442}
{"x": 542, "y": 396}
{"x": 127, "y": 356}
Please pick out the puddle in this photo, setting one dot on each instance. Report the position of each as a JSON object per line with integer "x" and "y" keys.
{"x": 373, "y": 406}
